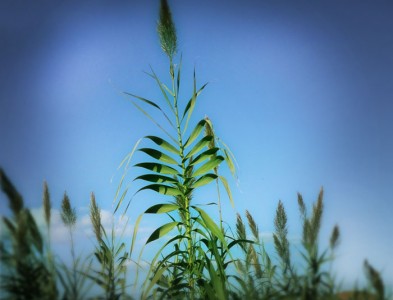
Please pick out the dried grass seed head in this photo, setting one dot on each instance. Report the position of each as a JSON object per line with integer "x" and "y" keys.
{"x": 166, "y": 30}
{"x": 68, "y": 214}
{"x": 95, "y": 217}
{"x": 46, "y": 203}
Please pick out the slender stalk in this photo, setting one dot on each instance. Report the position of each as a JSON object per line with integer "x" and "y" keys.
{"x": 184, "y": 173}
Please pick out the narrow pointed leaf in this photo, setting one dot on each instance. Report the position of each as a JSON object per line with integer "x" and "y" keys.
{"x": 156, "y": 178}
{"x": 162, "y": 189}
{"x": 200, "y": 145}
{"x": 136, "y": 228}
{"x": 192, "y": 103}
{"x": 15, "y": 199}
{"x": 153, "y": 281}
{"x": 189, "y": 104}
{"x": 160, "y": 85}
{"x": 161, "y": 208}
{"x": 227, "y": 189}
{"x": 208, "y": 166}
{"x": 211, "y": 225}
{"x": 159, "y": 168}
{"x": 205, "y": 179}
{"x": 163, "y": 144}
{"x": 195, "y": 133}
{"x": 178, "y": 76}
{"x": 154, "y": 121}
{"x": 151, "y": 103}
{"x": 203, "y": 156}
{"x": 161, "y": 231}
{"x": 158, "y": 155}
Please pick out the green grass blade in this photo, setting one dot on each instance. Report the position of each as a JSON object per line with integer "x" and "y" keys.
{"x": 163, "y": 144}
{"x": 203, "y": 180}
{"x": 195, "y": 133}
{"x": 15, "y": 199}
{"x": 160, "y": 85}
{"x": 161, "y": 208}
{"x": 156, "y": 178}
{"x": 203, "y": 156}
{"x": 152, "y": 103}
{"x": 208, "y": 166}
{"x": 161, "y": 231}
{"x": 159, "y": 168}
{"x": 153, "y": 281}
{"x": 178, "y": 77}
{"x": 154, "y": 121}
{"x": 200, "y": 145}
{"x": 162, "y": 189}
{"x": 158, "y": 155}
{"x": 211, "y": 225}
{"x": 227, "y": 189}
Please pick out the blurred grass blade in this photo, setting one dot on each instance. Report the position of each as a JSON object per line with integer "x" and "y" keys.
{"x": 15, "y": 199}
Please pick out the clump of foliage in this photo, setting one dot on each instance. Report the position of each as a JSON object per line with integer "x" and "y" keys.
{"x": 28, "y": 265}
{"x": 111, "y": 256}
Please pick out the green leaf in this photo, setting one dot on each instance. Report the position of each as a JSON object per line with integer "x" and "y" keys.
{"x": 153, "y": 281}
{"x": 153, "y": 120}
{"x": 227, "y": 189}
{"x": 162, "y": 231}
{"x": 34, "y": 231}
{"x": 160, "y": 85}
{"x": 200, "y": 145}
{"x": 163, "y": 144}
{"x": 178, "y": 77}
{"x": 156, "y": 178}
{"x": 162, "y": 189}
{"x": 211, "y": 225}
{"x": 209, "y": 166}
{"x": 195, "y": 133}
{"x": 159, "y": 168}
{"x": 161, "y": 208}
{"x": 191, "y": 104}
{"x": 158, "y": 155}
{"x": 203, "y": 156}
{"x": 205, "y": 179}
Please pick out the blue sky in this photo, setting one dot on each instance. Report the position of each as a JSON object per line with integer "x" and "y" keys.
{"x": 300, "y": 91}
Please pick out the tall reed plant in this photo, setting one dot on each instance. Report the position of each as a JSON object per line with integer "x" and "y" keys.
{"x": 178, "y": 163}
